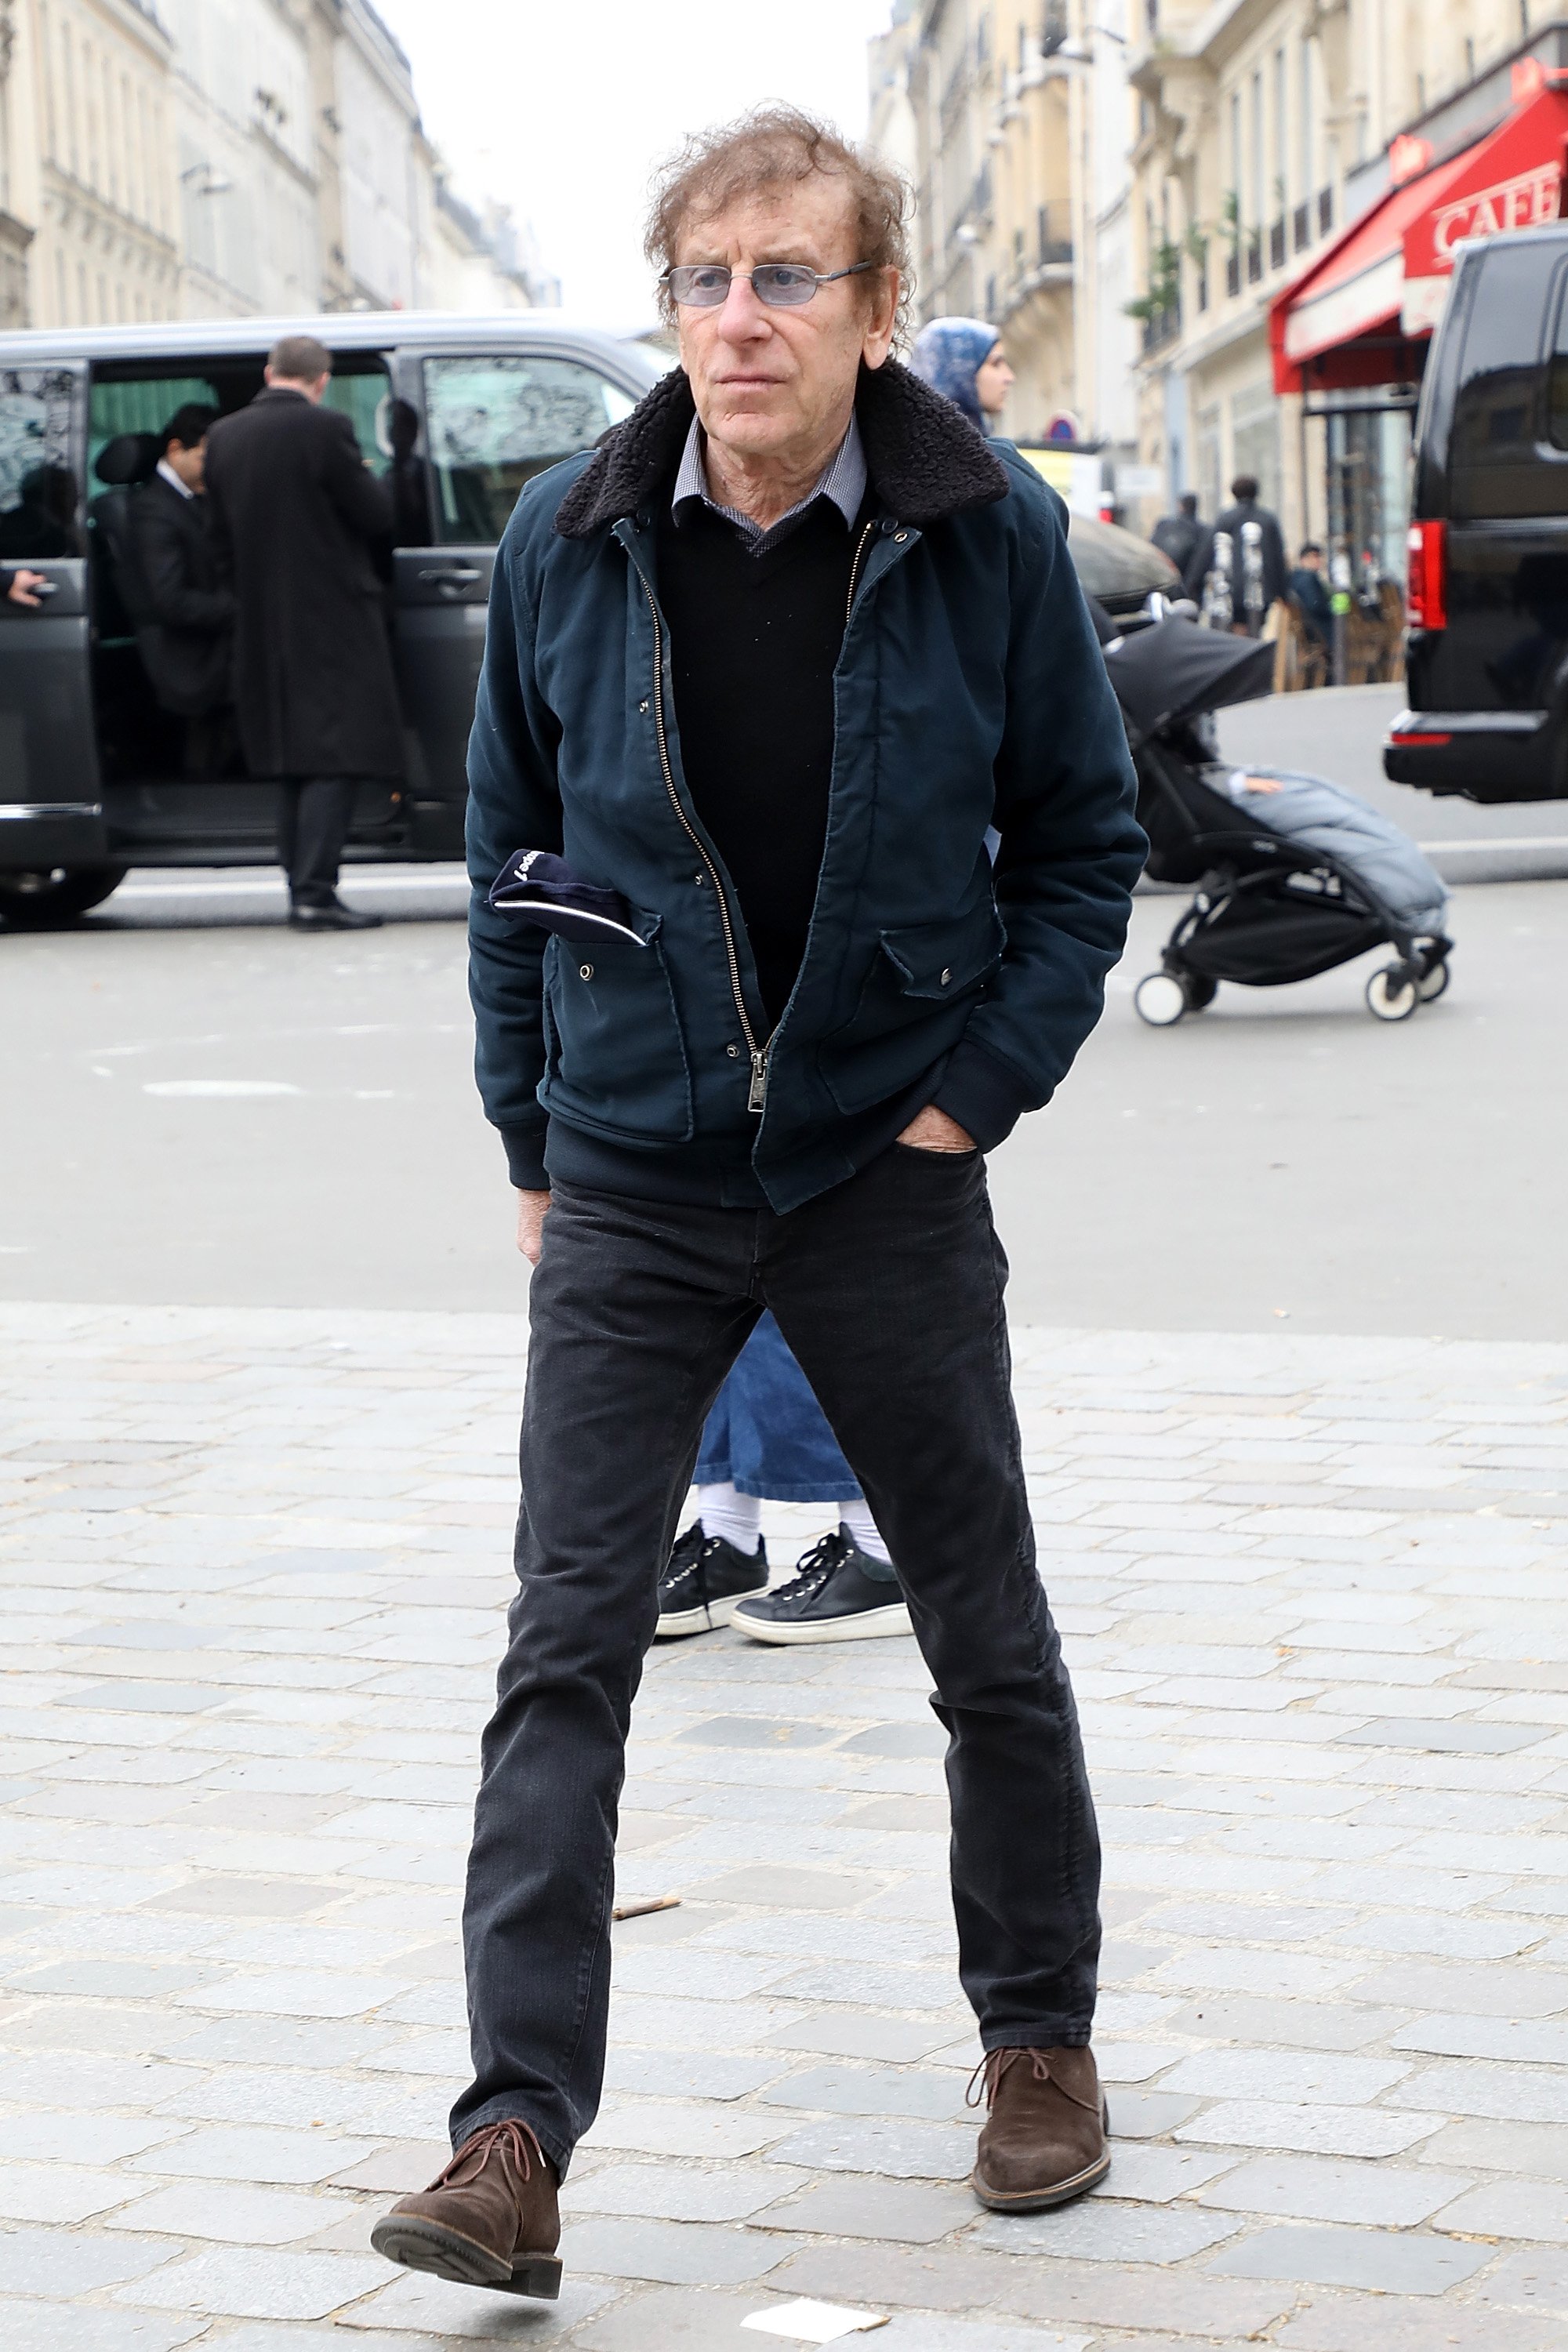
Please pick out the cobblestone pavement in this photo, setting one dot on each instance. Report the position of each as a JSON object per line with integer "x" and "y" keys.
{"x": 1315, "y": 1599}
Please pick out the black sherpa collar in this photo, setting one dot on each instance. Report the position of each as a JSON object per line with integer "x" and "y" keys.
{"x": 924, "y": 458}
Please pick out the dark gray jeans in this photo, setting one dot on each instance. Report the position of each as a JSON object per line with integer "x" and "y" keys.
{"x": 890, "y": 1291}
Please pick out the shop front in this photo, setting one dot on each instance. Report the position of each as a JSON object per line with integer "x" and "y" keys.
{"x": 1350, "y": 334}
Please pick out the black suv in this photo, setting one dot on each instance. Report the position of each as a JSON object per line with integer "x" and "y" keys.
{"x": 1486, "y": 655}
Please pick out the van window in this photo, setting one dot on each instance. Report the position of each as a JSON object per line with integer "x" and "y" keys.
{"x": 495, "y": 421}
{"x": 1498, "y": 411}
{"x": 39, "y": 492}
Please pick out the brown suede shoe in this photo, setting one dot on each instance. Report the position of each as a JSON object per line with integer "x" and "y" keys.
{"x": 1044, "y": 2140}
{"x": 489, "y": 2220}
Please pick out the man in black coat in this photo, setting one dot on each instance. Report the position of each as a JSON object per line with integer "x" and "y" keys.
{"x": 1237, "y": 570}
{"x": 1176, "y": 535}
{"x": 298, "y": 521}
{"x": 186, "y": 638}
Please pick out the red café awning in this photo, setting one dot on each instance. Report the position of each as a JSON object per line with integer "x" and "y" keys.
{"x": 1361, "y": 312}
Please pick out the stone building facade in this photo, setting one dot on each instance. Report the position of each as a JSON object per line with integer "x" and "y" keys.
{"x": 199, "y": 158}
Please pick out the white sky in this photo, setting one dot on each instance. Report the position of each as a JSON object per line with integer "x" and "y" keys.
{"x": 561, "y": 108}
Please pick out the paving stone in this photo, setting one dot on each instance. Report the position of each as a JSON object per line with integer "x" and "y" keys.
{"x": 1449, "y": 1738}
{"x": 859, "y": 2206}
{"x": 1380, "y": 2324}
{"x": 256, "y": 2283}
{"x": 857, "y": 2034}
{"x": 1153, "y": 2175}
{"x": 1100, "y": 2229}
{"x": 1530, "y": 2282}
{"x": 60, "y": 2192}
{"x": 256, "y": 2153}
{"x": 241, "y": 2215}
{"x": 49, "y": 2262}
{"x": 932, "y": 2277}
{"x": 692, "y": 2127}
{"x": 81, "y": 2327}
{"x": 1289, "y": 2024}
{"x": 897, "y": 2149}
{"x": 677, "y": 2253}
{"x": 1401, "y": 2264}
{"x": 1146, "y": 2115}
{"x": 1310, "y": 2188}
{"x": 1143, "y": 2295}
{"x": 757, "y": 1731}
{"x": 665, "y": 2192}
{"x": 866, "y": 2091}
{"x": 459, "y": 2314}
{"x": 1511, "y": 2208}
{"x": 1312, "y": 2130}
{"x": 1537, "y": 2150}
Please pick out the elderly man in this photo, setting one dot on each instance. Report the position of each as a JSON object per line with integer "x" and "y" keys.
{"x": 768, "y": 664}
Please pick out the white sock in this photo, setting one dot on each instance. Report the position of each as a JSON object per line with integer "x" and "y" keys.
{"x": 861, "y": 1528}
{"x": 737, "y": 1517}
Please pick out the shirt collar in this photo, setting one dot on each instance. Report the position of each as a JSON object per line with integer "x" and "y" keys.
{"x": 167, "y": 474}
{"x": 843, "y": 481}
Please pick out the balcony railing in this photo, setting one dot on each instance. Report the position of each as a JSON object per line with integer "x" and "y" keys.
{"x": 1232, "y": 272}
{"x": 1161, "y": 328}
{"x": 1053, "y": 235}
{"x": 1277, "y": 245}
{"x": 1301, "y": 227}
{"x": 1325, "y": 211}
{"x": 1255, "y": 261}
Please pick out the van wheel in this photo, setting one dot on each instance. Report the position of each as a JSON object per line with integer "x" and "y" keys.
{"x": 1393, "y": 993}
{"x": 36, "y": 901}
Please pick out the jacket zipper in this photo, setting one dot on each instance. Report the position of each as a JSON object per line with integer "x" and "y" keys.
{"x": 757, "y": 1098}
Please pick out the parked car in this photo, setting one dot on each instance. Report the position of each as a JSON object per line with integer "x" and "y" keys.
{"x": 92, "y": 771}
{"x": 461, "y": 412}
{"x": 1487, "y": 650}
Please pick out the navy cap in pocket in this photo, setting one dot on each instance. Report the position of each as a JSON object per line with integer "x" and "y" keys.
{"x": 540, "y": 887}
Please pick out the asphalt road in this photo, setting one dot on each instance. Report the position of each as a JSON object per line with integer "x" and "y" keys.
{"x": 202, "y": 1108}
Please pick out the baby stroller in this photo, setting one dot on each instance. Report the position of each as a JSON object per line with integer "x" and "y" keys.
{"x": 1291, "y": 879}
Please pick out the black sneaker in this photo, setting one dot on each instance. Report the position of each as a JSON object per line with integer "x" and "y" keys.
{"x": 830, "y": 1597}
{"x": 707, "y": 1577}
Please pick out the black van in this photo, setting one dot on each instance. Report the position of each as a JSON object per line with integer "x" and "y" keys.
{"x": 1487, "y": 653}
{"x": 94, "y": 775}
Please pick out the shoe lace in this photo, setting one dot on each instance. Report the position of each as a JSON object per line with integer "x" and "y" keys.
{"x": 815, "y": 1567}
{"x": 987, "y": 2079}
{"x": 511, "y": 2134}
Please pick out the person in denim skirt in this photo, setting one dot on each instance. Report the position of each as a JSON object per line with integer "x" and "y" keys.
{"x": 767, "y": 1440}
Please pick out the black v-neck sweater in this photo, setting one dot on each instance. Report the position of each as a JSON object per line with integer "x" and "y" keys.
{"x": 753, "y": 641}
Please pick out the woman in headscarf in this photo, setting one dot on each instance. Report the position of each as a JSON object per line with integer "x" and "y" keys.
{"x": 963, "y": 360}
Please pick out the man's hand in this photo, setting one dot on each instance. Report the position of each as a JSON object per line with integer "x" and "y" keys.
{"x": 23, "y": 584}
{"x": 932, "y": 1130}
{"x": 532, "y": 1208}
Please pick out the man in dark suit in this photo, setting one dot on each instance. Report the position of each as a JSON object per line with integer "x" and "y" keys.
{"x": 186, "y": 638}
{"x": 299, "y": 523}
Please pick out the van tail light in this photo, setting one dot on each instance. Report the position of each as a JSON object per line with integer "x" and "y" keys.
{"x": 1427, "y": 602}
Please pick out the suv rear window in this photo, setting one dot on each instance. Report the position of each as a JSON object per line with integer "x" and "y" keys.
{"x": 1501, "y": 409}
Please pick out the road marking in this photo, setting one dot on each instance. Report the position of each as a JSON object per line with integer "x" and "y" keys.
{"x": 269, "y": 887}
{"x": 224, "y": 1088}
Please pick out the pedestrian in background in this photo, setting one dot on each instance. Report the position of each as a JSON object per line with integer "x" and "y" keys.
{"x": 767, "y": 1440}
{"x": 1177, "y": 535}
{"x": 963, "y": 360}
{"x": 299, "y": 525}
{"x": 866, "y": 628}
{"x": 186, "y": 641}
{"x": 1237, "y": 571}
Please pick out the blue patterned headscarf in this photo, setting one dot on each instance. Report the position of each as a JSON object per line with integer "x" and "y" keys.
{"x": 948, "y": 354}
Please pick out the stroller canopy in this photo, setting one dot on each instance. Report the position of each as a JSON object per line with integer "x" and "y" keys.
{"x": 1175, "y": 669}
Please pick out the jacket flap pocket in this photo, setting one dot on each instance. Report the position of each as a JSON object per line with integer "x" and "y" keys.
{"x": 942, "y": 959}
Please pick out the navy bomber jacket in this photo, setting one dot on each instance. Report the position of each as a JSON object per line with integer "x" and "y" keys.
{"x": 969, "y": 692}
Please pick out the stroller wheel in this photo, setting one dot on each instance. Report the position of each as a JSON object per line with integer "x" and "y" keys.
{"x": 1433, "y": 982}
{"x": 1160, "y": 999}
{"x": 1393, "y": 993}
{"x": 1199, "y": 989}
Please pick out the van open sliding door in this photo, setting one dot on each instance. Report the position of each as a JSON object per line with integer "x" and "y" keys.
{"x": 50, "y": 816}
{"x": 489, "y": 419}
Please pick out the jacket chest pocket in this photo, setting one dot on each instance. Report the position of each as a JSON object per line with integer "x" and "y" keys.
{"x": 924, "y": 981}
{"x": 615, "y": 1055}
